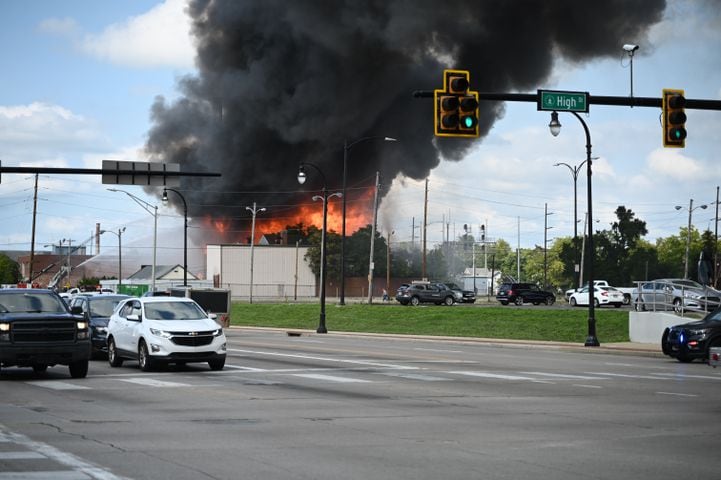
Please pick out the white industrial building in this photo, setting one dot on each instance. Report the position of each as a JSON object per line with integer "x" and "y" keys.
{"x": 279, "y": 271}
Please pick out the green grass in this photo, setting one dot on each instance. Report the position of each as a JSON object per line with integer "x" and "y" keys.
{"x": 527, "y": 323}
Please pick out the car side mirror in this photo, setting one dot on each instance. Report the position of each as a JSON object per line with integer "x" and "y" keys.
{"x": 133, "y": 318}
{"x": 212, "y": 316}
{"x": 76, "y": 310}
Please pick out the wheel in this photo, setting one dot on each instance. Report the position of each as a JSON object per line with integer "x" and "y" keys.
{"x": 677, "y": 305}
{"x": 448, "y": 301}
{"x": 639, "y": 306}
{"x": 217, "y": 364}
{"x": 79, "y": 369}
{"x": 573, "y": 302}
{"x": 596, "y": 303}
{"x": 113, "y": 357}
{"x": 626, "y": 299}
{"x": 665, "y": 348}
{"x": 415, "y": 301}
{"x": 519, "y": 300}
{"x": 40, "y": 368}
{"x": 145, "y": 362}
{"x": 550, "y": 301}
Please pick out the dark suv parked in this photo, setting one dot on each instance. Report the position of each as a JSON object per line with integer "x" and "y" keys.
{"x": 436, "y": 293}
{"x": 520, "y": 293}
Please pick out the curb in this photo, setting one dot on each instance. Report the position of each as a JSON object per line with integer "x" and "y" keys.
{"x": 624, "y": 348}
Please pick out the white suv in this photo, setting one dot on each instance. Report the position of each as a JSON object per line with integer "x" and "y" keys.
{"x": 154, "y": 330}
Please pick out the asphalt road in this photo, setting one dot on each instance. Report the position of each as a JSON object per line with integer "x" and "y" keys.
{"x": 348, "y": 407}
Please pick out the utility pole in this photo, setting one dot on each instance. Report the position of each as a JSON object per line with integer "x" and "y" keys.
{"x": 254, "y": 211}
{"x": 373, "y": 237}
{"x": 715, "y": 244}
{"x": 425, "y": 223}
{"x": 32, "y": 238}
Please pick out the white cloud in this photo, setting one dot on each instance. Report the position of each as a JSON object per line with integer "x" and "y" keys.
{"x": 671, "y": 163}
{"x": 36, "y": 132}
{"x": 159, "y": 38}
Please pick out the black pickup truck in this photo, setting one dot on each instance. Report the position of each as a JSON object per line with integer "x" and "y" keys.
{"x": 37, "y": 330}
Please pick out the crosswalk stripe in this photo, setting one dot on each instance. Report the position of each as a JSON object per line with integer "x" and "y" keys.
{"x": 330, "y": 378}
{"x": 55, "y": 385}
{"x": 151, "y": 382}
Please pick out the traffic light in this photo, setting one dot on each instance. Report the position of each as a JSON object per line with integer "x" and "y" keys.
{"x": 674, "y": 118}
{"x": 455, "y": 106}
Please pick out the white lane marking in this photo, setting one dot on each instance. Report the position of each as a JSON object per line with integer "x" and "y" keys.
{"x": 437, "y": 350}
{"x": 326, "y": 359}
{"x": 45, "y": 475}
{"x": 55, "y": 385}
{"x": 493, "y": 375}
{"x": 622, "y": 375}
{"x": 416, "y": 376}
{"x": 330, "y": 378}
{"x": 586, "y": 386}
{"x": 681, "y": 375}
{"x": 151, "y": 382}
{"x": 562, "y": 375}
{"x": 81, "y": 470}
{"x": 21, "y": 455}
{"x": 677, "y": 394}
{"x": 247, "y": 369}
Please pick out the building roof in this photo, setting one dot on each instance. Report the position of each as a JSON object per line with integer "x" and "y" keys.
{"x": 146, "y": 272}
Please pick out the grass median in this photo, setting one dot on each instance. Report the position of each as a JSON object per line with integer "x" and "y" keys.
{"x": 524, "y": 323}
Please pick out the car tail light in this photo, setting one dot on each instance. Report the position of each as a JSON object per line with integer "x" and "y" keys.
{"x": 715, "y": 357}
{"x": 604, "y": 294}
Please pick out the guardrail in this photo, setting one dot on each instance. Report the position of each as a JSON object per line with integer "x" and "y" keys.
{"x": 680, "y": 297}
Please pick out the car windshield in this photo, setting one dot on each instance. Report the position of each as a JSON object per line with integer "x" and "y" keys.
{"x": 31, "y": 303}
{"x": 453, "y": 286}
{"x": 103, "y": 306}
{"x": 173, "y": 311}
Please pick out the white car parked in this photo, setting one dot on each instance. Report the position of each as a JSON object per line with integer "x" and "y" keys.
{"x": 603, "y": 296}
{"x": 161, "y": 330}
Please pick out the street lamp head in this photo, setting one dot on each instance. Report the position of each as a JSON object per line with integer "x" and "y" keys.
{"x": 301, "y": 174}
{"x": 703, "y": 206}
{"x": 262, "y": 209}
{"x": 555, "y": 125}
{"x": 102, "y": 231}
{"x": 389, "y": 139}
{"x": 678, "y": 207}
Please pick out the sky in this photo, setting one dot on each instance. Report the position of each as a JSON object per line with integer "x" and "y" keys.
{"x": 80, "y": 77}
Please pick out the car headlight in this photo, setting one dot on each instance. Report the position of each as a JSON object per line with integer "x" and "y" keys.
{"x": 160, "y": 333}
{"x": 458, "y": 295}
{"x": 82, "y": 325}
{"x": 218, "y": 332}
{"x": 4, "y": 327}
{"x": 101, "y": 329}
{"x": 697, "y": 331}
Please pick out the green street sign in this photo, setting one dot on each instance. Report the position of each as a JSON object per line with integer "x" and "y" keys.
{"x": 562, "y": 101}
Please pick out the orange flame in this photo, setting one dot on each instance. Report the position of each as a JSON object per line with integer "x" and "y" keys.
{"x": 359, "y": 213}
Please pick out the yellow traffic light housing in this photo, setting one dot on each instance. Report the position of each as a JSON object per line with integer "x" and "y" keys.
{"x": 674, "y": 118}
{"x": 455, "y": 107}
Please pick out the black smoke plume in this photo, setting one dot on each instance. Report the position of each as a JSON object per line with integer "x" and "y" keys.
{"x": 285, "y": 82}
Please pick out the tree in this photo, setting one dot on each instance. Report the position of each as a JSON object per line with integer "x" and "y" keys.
{"x": 9, "y": 270}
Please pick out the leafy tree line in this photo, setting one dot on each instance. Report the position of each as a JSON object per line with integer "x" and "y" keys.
{"x": 622, "y": 255}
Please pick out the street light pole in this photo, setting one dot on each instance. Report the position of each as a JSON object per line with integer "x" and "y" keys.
{"x": 691, "y": 208}
{"x": 324, "y": 197}
{"x": 153, "y": 210}
{"x": 574, "y": 172}
{"x": 555, "y": 127}
{"x": 120, "y": 254}
{"x": 347, "y": 146}
{"x": 185, "y": 231}
{"x": 254, "y": 211}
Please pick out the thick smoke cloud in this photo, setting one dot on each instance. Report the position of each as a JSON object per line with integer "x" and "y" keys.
{"x": 285, "y": 82}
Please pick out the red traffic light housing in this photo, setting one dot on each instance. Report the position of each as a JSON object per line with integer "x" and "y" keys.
{"x": 674, "y": 118}
{"x": 455, "y": 106}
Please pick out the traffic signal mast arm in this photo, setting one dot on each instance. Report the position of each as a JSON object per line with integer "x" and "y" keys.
{"x": 693, "y": 104}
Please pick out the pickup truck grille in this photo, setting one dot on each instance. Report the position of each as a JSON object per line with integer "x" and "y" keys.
{"x": 43, "y": 331}
{"x": 188, "y": 340}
